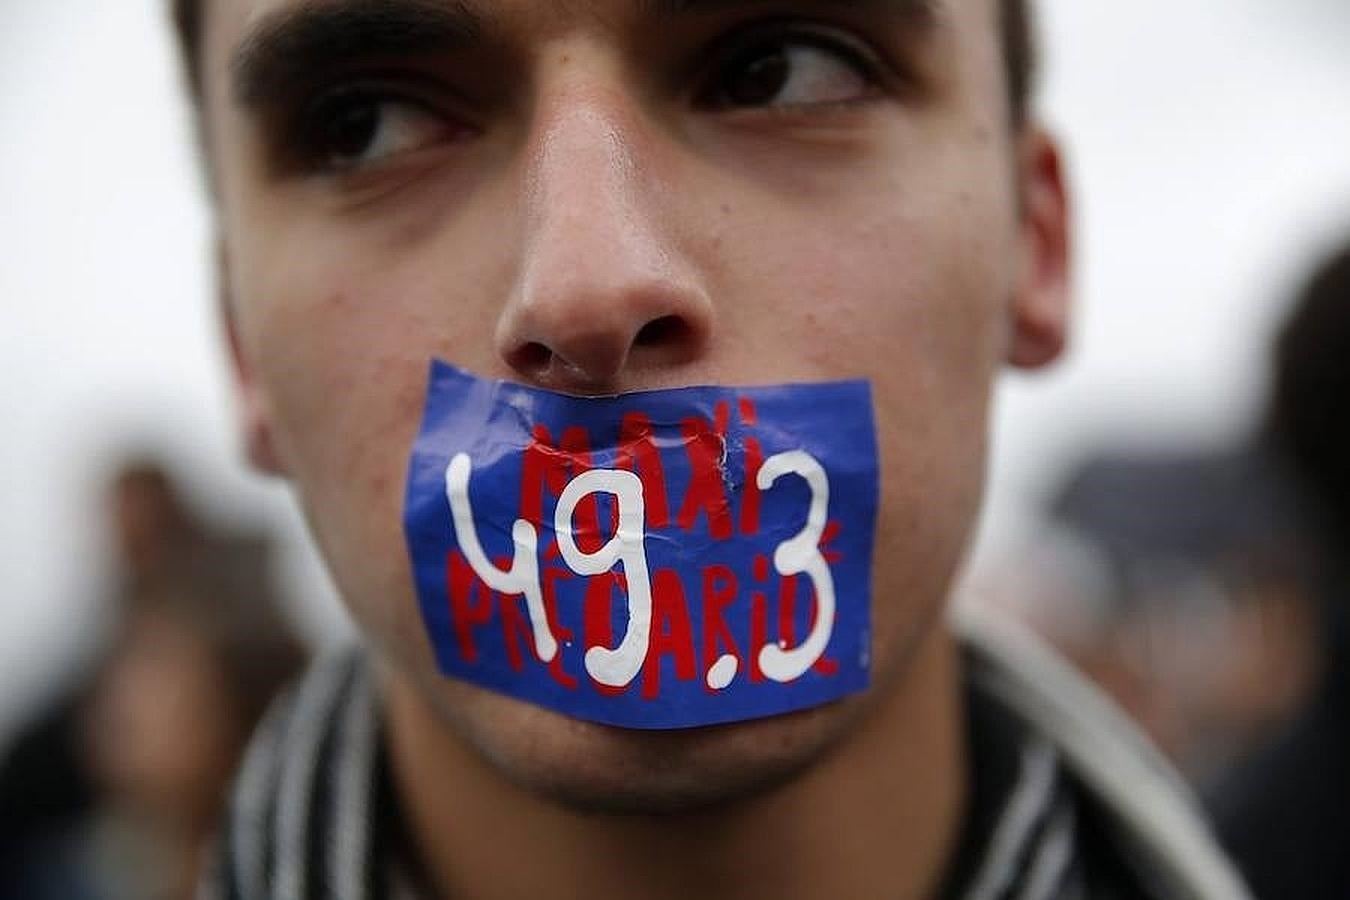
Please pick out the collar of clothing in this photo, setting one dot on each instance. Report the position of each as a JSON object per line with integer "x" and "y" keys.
{"x": 313, "y": 815}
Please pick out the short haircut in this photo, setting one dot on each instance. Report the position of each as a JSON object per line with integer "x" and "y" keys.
{"x": 1017, "y": 31}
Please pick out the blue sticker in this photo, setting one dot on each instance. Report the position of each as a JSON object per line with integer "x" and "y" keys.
{"x": 666, "y": 559}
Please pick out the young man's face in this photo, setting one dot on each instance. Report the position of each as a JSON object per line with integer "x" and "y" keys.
{"x": 602, "y": 196}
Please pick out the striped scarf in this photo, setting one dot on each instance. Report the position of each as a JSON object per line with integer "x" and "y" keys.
{"x": 313, "y": 815}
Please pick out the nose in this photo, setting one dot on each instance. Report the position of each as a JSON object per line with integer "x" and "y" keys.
{"x": 605, "y": 297}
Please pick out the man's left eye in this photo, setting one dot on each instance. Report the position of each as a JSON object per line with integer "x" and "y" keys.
{"x": 791, "y": 72}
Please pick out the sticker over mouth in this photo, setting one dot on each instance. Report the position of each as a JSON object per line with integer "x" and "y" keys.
{"x": 664, "y": 559}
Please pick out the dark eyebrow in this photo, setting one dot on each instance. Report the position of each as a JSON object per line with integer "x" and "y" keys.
{"x": 918, "y": 12}
{"x": 289, "y": 45}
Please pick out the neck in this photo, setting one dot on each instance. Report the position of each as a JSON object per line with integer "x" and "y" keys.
{"x": 878, "y": 815}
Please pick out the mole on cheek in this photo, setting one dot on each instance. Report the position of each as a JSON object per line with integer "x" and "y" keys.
{"x": 337, "y": 301}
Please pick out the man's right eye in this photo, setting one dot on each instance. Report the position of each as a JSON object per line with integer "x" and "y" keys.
{"x": 355, "y": 129}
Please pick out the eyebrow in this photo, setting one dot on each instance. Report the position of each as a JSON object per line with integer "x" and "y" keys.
{"x": 287, "y": 46}
{"x": 921, "y": 12}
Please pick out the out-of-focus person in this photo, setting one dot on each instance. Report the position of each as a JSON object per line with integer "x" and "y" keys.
{"x": 193, "y": 670}
{"x": 1181, "y": 581}
{"x": 1208, "y": 555}
{"x": 112, "y": 790}
{"x": 1286, "y": 813}
{"x": 152, "y": 529}
{"x": 45, "y": 787}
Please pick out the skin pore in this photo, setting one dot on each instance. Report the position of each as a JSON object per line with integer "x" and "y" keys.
{"x": 602, "y": 196}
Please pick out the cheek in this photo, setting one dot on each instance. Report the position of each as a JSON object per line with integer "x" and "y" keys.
{"x": 904, "y": 285}
{"x": 340, "y": 316}
{"x": 895, "y": 265}
{"x": 341, "y": 348}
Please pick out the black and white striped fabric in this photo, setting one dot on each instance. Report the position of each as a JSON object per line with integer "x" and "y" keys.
{"x": 303, "y": 813}
{"x": 313, "y": 816}
{"x": 1021, "y": 835}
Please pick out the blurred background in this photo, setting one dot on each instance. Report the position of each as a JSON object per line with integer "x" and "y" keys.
{"x": 1139, "y": 512}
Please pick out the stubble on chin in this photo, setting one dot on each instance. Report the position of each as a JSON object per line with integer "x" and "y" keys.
{"x": 592, "y": 769}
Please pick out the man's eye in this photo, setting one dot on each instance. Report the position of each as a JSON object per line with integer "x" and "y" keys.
{"x": 355, "y": 129}
{"x": 791, "y": 72}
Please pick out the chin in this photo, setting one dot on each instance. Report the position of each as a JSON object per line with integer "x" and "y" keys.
{"x": 591, "y": 768}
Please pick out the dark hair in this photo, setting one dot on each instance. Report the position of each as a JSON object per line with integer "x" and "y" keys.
{"x": 1018, "y": 34}
{"x": 1020, "y": 56}
{"x": 1310, "y": 405}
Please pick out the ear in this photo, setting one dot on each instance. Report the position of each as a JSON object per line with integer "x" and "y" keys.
{"x": 252, "y": 409}
{"x": 1041, "y": 298}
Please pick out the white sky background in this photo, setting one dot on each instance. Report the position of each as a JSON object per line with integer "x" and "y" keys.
{"x": 1209, "y": 143}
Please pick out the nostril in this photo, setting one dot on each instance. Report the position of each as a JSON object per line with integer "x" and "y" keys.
{"x": 665, "y": 330}
{"x": 531, "y": 357}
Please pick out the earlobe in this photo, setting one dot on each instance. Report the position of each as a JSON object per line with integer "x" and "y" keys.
{"x": 1039, "y": 313}
{"x": 254, "y": 419}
